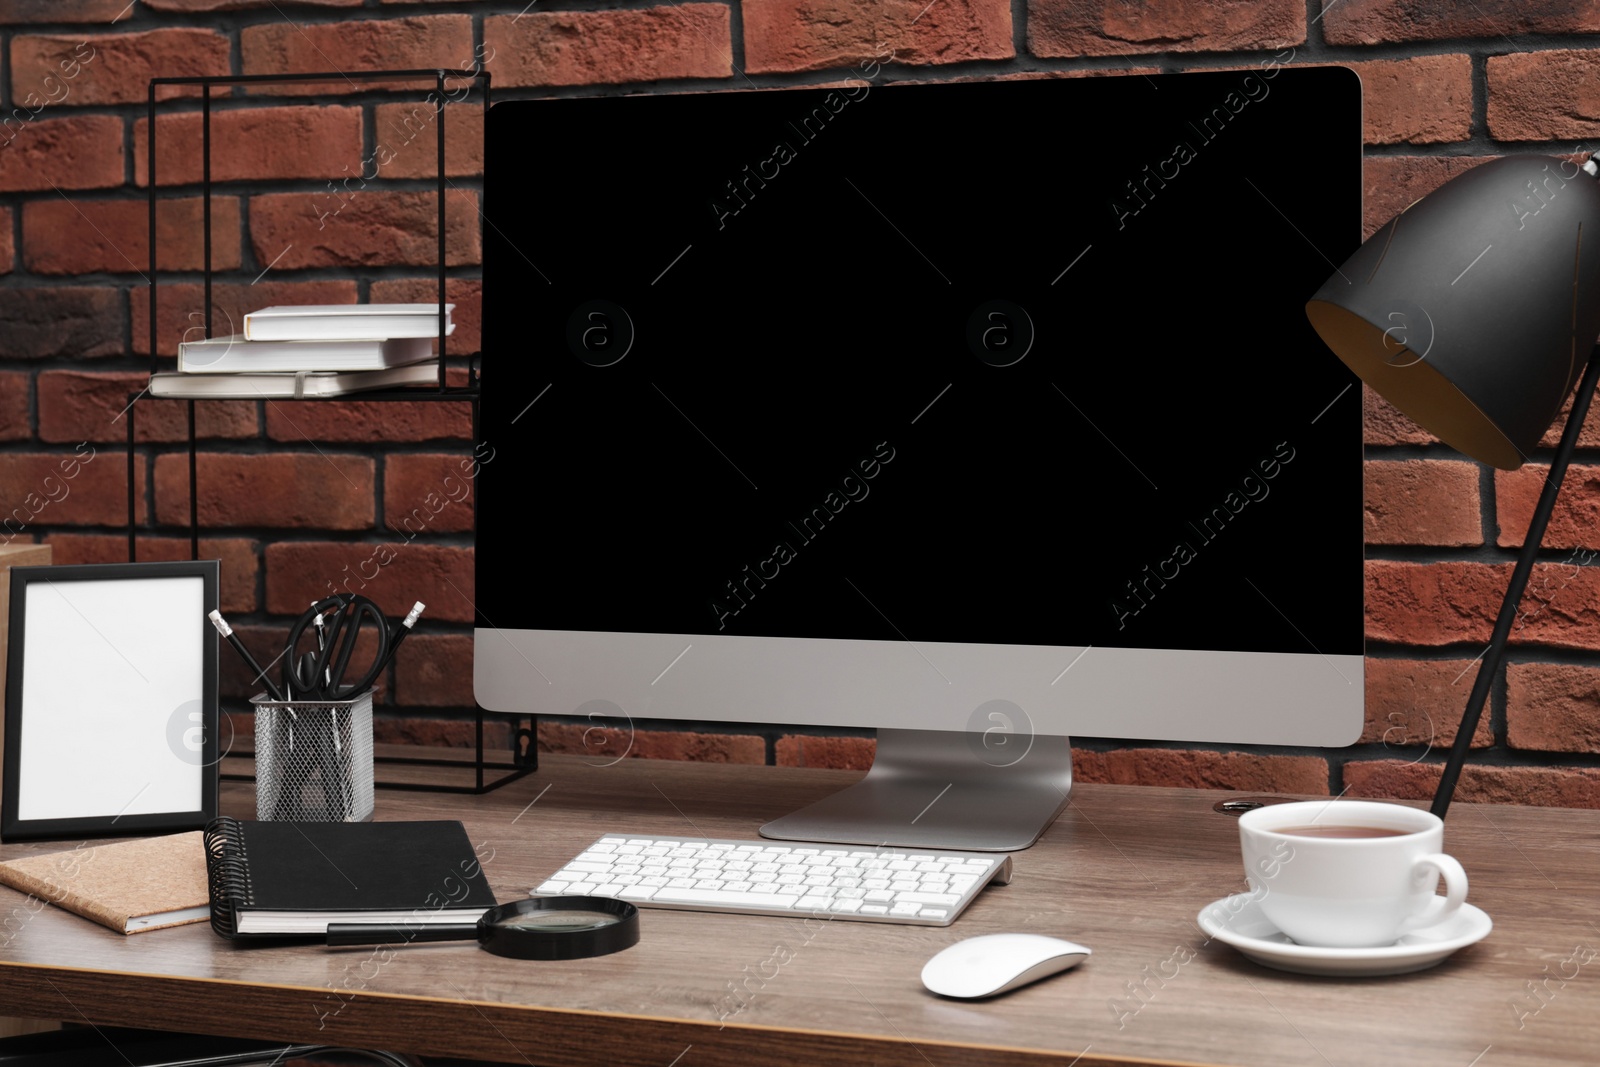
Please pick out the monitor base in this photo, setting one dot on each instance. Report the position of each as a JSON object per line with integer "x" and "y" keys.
{"x": 938, "y": 789}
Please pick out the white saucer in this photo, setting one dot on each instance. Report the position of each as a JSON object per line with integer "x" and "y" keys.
{"x": 1237, "y": 921}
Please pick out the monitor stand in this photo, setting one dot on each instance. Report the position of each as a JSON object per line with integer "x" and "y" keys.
{"x": 934, "y": 789}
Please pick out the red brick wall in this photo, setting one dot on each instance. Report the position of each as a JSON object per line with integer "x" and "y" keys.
{"x": 299, "y": 496}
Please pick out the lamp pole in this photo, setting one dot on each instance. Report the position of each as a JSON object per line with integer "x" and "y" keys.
{"x": 1519, "y": 583}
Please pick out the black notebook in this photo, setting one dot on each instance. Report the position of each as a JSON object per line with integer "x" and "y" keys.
{"x": 292, "y": 879}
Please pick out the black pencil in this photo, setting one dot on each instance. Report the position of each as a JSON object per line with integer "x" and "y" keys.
{"x": 227, "y": 631}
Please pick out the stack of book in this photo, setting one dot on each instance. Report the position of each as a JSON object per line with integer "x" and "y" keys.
{"x": 311, "y": 350}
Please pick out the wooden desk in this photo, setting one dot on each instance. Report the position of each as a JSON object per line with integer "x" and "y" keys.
{"x": 1124, "y": 870}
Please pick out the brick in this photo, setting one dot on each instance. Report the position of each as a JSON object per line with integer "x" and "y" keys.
{"x": 7, "y": 250}
{"x": 1203, "y": 770}
{"x": 180, "y": 309}
{"x": 1543, "y": 96}
{"x": 113, "y": 68}
{"x": 1390, "y": 184}
{"x": 394, "y": 575}
{"x": 1545, "y": 786}
{"x": 428, "y": 494}
{"x": 1421, "y": 100}
{"x": 81, "y": 486}
{"x": 1421, "y": 502}
{"x": 82, "y": 406}
{"x": 77, "y": 152}
{"x": 312, "y": 490}
{"x": 434, "y": 670}
{"x": 61, "y": 236}
{"x": 406, "y": 141}
{"x": 253, "y": 144}
{"x": 838, "y": 753}
{"x": 610, "y": 47}
{"x": 1572, "y": 522}
{"x": 1419, "y": 703}
{"x": 363, "y": 228}
{"x": 1392, "y": 780}
{"x": 237, "y": 592}
{"x": 1071, "y": 28}
{"x": 443, "y": 733}
{"x": 373, "y": 421}
{"x": 61, "y": 322}
{"x": 16, "y": 390}
{"x": 1387, "y": 21}
{"x": 238, "y": 5}
{"x": 424, "y": 42}
{"x": 1553, "y": 707}
{"x": 1435, "y": 604}
{"x": 798, "y": 35}
{"x": 465, "y": 293}
{"x": 607, "y": 743}
{"x": 18, "y": 12}
{"x": 1383, "y": 424}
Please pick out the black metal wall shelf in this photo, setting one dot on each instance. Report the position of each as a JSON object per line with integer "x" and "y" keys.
{"x": 523, "y": 756}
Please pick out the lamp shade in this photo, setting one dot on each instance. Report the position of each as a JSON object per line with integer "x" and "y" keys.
{"x": 1475, "y": 309}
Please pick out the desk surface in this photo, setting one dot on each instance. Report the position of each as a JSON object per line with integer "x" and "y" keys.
{"x": 1124, "y": 870}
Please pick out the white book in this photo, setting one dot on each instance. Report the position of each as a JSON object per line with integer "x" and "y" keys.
{"x": 234, "y": 353}
{"x": 345, "y": 322}
{"x": 286, "y": 385}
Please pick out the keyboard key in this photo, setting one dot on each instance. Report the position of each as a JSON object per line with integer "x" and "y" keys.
{"x": 552, "y": 888}
{"x": 638, "y": 892}
{"x": 845, "y": 905}
{"x": 904, "y": 907}
{"x": 929, "y": 898}
{"x": 709, "y": 897}
{"x": 594, "y": 868}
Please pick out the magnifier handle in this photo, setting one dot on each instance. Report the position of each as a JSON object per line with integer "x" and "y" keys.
{"x": 394, "y": 933}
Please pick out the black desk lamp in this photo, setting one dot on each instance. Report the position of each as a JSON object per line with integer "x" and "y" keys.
{"x": 1473, "y": 312}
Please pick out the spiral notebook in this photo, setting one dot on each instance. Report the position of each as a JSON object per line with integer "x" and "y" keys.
{"x": 291, "y": 879}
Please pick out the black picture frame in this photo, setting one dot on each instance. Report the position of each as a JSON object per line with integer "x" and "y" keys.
{"x": 111, "y": 669}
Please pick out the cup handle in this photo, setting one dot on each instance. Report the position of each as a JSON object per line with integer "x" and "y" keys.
{"x": 1455, "y": 886}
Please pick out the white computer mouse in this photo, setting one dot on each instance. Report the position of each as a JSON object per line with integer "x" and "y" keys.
{"x": 998, "y": 963}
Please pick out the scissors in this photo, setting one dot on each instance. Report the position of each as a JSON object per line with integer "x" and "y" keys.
{"x": 322, "y": 671}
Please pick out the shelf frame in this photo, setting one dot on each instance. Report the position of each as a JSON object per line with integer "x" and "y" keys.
{"x": 523, "y": 758}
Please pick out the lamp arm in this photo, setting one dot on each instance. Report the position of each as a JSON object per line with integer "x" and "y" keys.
{"x": 1519, "y": 583}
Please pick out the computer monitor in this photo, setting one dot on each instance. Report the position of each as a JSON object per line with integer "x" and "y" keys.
{"x": 984, "y": 414}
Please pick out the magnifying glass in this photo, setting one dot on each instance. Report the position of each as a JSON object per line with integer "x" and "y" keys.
{"x": 538, "y": 928}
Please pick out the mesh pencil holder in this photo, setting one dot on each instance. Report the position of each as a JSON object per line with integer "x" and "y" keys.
{"x": 314, "y": 759}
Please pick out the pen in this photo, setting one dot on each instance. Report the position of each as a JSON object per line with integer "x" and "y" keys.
{"x": 227, "y": 631}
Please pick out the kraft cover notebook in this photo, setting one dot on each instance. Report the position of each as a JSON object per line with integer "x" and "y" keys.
{"x": 291, "y": 879}
{"x": 130, "y": 886}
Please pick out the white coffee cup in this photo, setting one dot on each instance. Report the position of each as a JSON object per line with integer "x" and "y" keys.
{"x": 1349, "y": 891}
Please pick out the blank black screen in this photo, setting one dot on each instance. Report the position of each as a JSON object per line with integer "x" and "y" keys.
{"x": 1020, "y": 362}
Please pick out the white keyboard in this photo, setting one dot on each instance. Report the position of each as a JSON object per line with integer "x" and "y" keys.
{"x": 925, "y": 887}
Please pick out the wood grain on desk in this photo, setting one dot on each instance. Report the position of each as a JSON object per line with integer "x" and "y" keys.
{"x": 1124, "y": 870}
